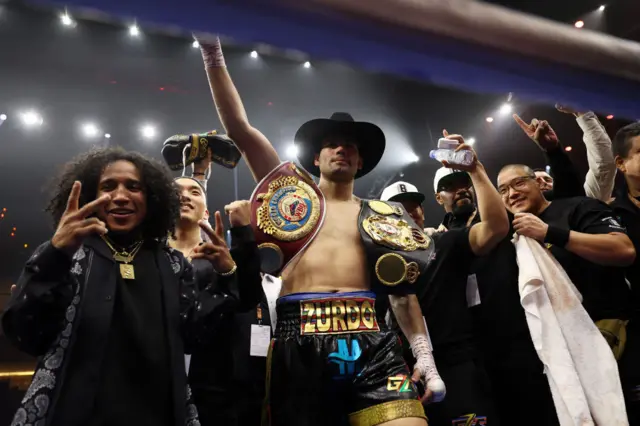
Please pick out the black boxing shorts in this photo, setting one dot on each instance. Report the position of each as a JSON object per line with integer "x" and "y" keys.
{"x": 332, "y": 363}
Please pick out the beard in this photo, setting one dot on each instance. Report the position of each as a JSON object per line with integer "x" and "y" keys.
{"x": 463, "y": 209}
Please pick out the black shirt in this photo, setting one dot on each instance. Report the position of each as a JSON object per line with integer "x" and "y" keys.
{"x": 604, "y": 291}
{"x": 443, "y": 299}
{"x": 630, "y": 217}
{"x": 135, "y": 386}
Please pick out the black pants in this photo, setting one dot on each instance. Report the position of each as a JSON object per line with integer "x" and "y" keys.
{"x": 468, "y": 401}
{"x": 629, "y": 367}
{"x": 331, "y": 364}
{"x": 520, "y": 388}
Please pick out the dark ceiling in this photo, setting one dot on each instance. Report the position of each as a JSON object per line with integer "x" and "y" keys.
{"x": 620, "y": 17}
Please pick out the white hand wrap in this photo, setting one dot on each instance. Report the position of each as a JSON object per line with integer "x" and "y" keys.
{"x": 212, "y": 54}
{"x": 425, "y": 363}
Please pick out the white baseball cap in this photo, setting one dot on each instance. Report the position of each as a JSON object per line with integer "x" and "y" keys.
{"x": 402, "y": 190}
{"x": 445, "y": 172}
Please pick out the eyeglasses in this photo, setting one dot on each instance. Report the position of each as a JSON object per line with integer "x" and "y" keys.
{"x": 517, "y": 184}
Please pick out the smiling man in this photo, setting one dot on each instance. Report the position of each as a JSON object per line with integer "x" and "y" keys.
{"x": 108, "y": 307}
{"x": 582, "y": 233}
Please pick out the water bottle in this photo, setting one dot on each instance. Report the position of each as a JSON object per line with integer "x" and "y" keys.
{"x": 455, "y": 158}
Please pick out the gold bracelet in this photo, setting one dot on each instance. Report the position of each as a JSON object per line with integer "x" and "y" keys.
{"x": 230, "y": 272}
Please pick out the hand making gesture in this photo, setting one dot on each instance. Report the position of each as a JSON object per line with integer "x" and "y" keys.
{"x": 76, "y": 224}
{"x": 540, "y": 132}
{"x": 462, "y": 146}
{"x": 215, "y": 250}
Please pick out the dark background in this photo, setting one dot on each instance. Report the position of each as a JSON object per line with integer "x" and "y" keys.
{"x": 96, "y": 72}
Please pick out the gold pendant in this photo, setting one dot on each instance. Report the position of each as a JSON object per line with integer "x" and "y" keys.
{"x": 122, "y": 257}
{"x": 126, "y": 271}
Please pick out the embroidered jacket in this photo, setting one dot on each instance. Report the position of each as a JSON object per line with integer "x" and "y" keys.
{"x": 44, "y": 311}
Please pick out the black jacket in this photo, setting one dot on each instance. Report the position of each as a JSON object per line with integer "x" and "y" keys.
{"x": 56, "y": 293}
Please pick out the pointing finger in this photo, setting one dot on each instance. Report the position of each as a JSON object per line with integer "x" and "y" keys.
{"x": 445, "y": 133}
{"x": 93, "y": 206}
{"x": 524, "y": 126}
{"x": 74, "y": 197}
{"x": 219, "y": 226}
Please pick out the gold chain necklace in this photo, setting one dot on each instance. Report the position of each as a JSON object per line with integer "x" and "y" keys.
{"x": 124, "y": 259}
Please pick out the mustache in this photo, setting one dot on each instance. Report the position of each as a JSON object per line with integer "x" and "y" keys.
{"x": 462, "y": 196}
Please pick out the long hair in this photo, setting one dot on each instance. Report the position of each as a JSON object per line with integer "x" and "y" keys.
{"x": 163, "y": 202}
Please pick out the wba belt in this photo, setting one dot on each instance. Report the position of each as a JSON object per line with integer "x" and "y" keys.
{"x": 287, "y": 210}
{"x": 305, "y": 314}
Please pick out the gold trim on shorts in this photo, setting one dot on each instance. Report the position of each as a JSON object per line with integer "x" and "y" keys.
{"x": 386, "y": 412}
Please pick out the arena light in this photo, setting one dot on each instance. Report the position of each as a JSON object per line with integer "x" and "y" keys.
{"x": 602, "y": 8}
{"x": 66, "y": 20}
{"x": 292, "y": 151}
{"x": 579, "y": 24}
{"x": 489, "y": 119}
{"x": 471, "y": 141}
{"x": 148, "y": 131}
{"x": 31, "y": 118}
{"x": 107, "y": 135}
{"x": 610, "y": 117}
{"x": 90, "y": 130}
{"x": 307, "y": 64}
{"x": 254, "y": 54}
{"x": 413, "y": 158}
{"x": 195, "y": 44}
{"x": 134, "y": 31}
{"x": 506, "y": 108}
{"x": 3, "y": 117}
{"x": 568, "y": 148}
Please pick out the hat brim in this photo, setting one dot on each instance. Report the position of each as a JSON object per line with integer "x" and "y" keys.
{"x": 456, "y": 176}
{"x": 408, "y": 196}
{"x": 368, "y": 137}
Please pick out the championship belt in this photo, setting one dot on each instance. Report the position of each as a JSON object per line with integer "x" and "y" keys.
{"x": 287, "y": 210}
{"x": 398, "y": 250}
{"x": 179, "y": 151}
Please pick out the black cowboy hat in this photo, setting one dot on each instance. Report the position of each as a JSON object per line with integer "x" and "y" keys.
{"x": 367, "y": 136}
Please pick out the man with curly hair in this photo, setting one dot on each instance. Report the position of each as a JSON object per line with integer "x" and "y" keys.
{"x": 108, "y": 307}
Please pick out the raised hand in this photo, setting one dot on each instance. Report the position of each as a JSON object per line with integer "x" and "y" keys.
{"x": 540, "y": 132}
{"x": 568, "y": 110}
{"x": 239, "y": 213}
{"x": 462, "y": 146}
{"x": 75, "y": 224}
{"x": 215, "y": 250}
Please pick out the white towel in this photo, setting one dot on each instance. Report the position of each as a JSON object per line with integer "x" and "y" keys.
{"x": 582, "y": 372}
{"x": 271, "y": 286}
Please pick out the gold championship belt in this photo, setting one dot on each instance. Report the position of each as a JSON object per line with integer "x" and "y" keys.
{"x": 287, "y": 210}
{"x": 396, "y": 247}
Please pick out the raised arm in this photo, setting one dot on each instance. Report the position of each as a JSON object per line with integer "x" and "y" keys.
{"x": 602, "y": 168}
{"x": 255, "y": 147}
{"x": 485, "y": 235}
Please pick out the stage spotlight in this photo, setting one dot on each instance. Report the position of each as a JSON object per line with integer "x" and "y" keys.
{"x": 3, "y": 117}
{"x": 568, "y": 148}
{"x": 413, "y": 158}
{"x": 66, "y": 20}
{"x": 307, "y": 64}
{"x": 489, "y": 119}
{"x": 31, "y": 119}
{"x": 107, "y": 135}
{"x": 148, "y": 131}
{"x": 90, "y": 130}
{"x": 506, "y": 109}
{"x": 602, "y": 8}
{"x": 471, "y": 141}
{"x": 292, "y": 151}
{"x": 254, "y": 54}
{"x": 579, "y": 24}
{"x": 134, "y": 31}
{"x": 195, "y": 44}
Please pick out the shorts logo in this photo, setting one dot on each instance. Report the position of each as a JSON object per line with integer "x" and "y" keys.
{"x": 470, "y": 420}
{"x": 334, "y": 316}
{"x": 346, "y": 360}
{"x": 400, "y": 383}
